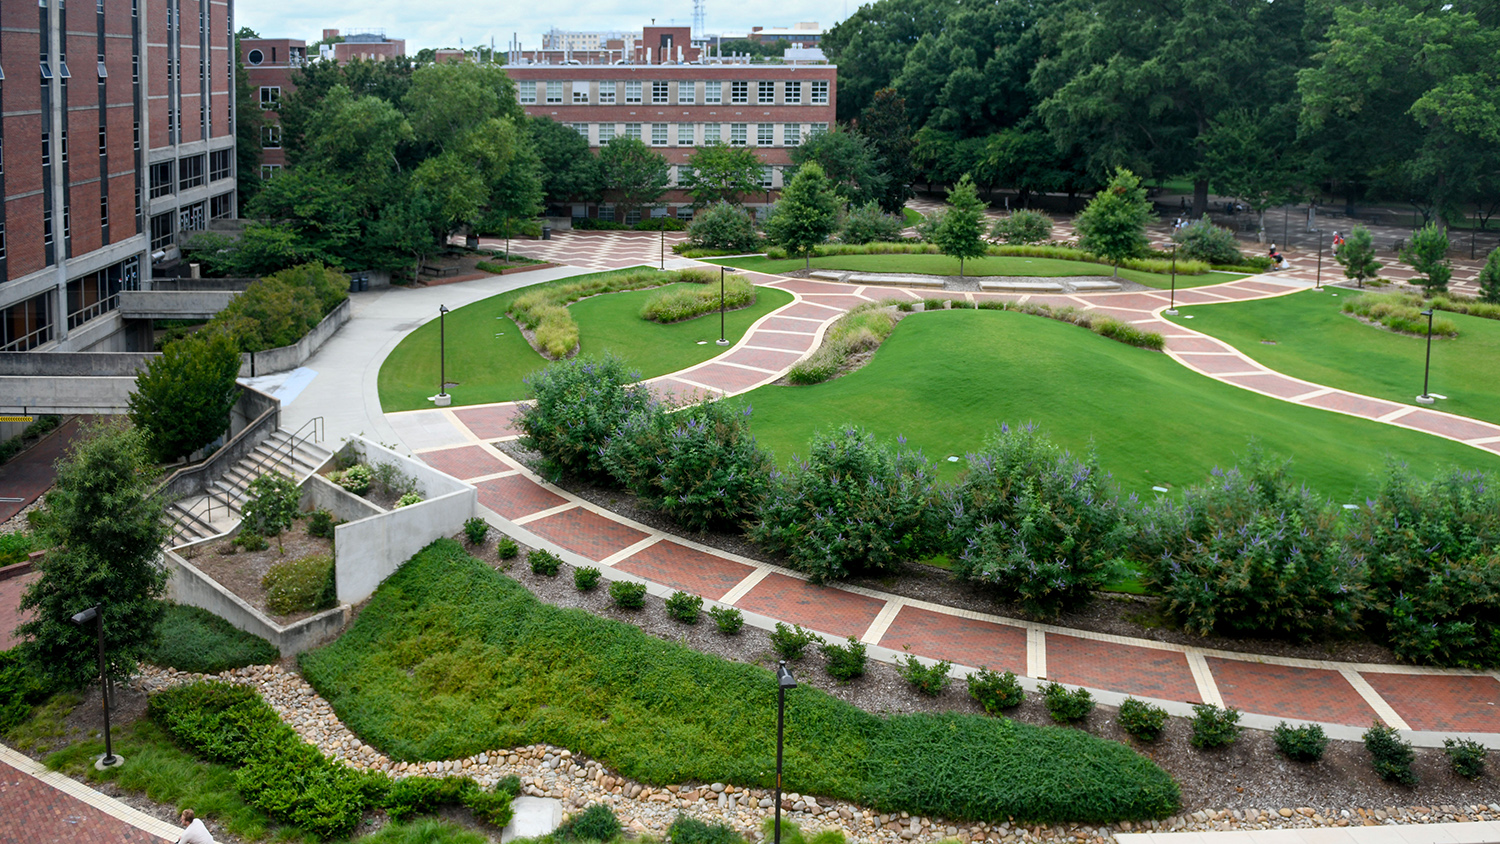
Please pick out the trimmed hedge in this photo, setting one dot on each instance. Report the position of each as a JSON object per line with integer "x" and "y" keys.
{"x": 450, "y": 658}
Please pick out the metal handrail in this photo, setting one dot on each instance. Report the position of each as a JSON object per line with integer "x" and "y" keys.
{"x": 316, "y": 434}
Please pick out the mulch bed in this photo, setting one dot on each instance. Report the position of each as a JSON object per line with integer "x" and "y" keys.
{"x": 240, "y": 571}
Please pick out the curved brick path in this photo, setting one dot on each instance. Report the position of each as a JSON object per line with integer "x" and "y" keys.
{"x": 1428, "y": 703}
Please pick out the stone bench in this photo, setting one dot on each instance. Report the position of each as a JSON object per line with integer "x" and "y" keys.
{"x": 935, "y": 282}
{"x": 1022, "y": 286}
{"x": 827, "y": 275}
{"x": 1094, "y": 286}
{"x": 441, "y": 272}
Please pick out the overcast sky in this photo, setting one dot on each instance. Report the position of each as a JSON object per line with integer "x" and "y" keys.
{"x": 442, "y": 24}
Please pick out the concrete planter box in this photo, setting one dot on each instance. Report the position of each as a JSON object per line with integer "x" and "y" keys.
{"x": 283, "y": 358}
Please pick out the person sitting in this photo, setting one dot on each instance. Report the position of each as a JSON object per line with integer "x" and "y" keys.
{"x": 1277, "y": 260}
{"x": 196, "y": 832}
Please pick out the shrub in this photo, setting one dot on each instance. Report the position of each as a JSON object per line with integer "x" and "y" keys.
{"x": 700, "y": 465}
{"x": 724, "y": 226}
{"x": 194, "y": 639}
{"x": 279, "y": 309}
{"x": 596, "y": 823}
{"x": 845, "y": 662}
{"x": 1040, "y": 527}
{"x": 1251, "y": 553}
{"x": 1104, "y": 326}
{"x": 931, "y": 680}
{"x": 355, "y": 479}
{"x": 251, "y": 541}
{"x": 790, "y": 643}
{"x": 585, "y": 578}
{"x": 853, "y": 506}
{"x": 579, "y": 404}
{"x": 996, "y": 692}
{"x": 684, "y": 607}
{"x": 1390, "y": 755}
{"x": 678, "y": 304}
{"x": 388, "y": 479}
{"x": 1128, "y": 334}
{"x": 506, "y": 548}
{"x": 1489, "y": 278}
{"x": 660, "y": 224}
{"x": 476, "y": 530}
{"x": 689, "y": 830}
{"x": 728, "y": 619}
{"x": 408, "y": 499}
{"x": 300, "y": 585}
{"x": 21, "y": 688}
{"x": 1300, "y": 744}
{"x": 543, "y": 562}
{"x": 417, "y": 795}
{"x": 862, "y": 329}
{"x": 16, "y": 547}
{"x": 1066, "y": 707}
{"x": 1466, "y": 756}
{"x": 1142, "y": 720}
{"x": 594, "y": 224}
{"x": 867, "y": 224}
{"x": 321, "y": 523}
{"x": 627, "y": 594}
{"x": 1214, "y": 726}
{"x": 543, "y": 308}
{"x": 1211, "y": 244}
{"x": 1022, "y": 226}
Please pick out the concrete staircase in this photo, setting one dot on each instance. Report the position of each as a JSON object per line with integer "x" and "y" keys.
{"x": 217, "y": 510}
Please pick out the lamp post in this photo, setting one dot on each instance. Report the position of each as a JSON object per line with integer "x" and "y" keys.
{"x": 1425, "y": 398}
{"x": 784, "y": 681}
{"x": 1319, "y": 284}
{"x": 722, "y": 341}
{"x": 1172, "y": 307}
{"x": 442, "y": 399}
{"x": 109, "y": 759}
{"x": 664, "y": 247}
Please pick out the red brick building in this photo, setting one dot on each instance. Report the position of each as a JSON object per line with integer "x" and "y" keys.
{"x": 675, "y": 106}
{"x": 115, "y": 141}
{"x": 369, "y": 44}
{"x": 269, "y": 65}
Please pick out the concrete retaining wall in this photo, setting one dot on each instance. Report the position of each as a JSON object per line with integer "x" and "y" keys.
{"x": 290, "y": 357}
{"x": 173, "y": 304}
{"x": 66, "y": 364}
{"x": 235, "y": 284}
{"x": 254, "y": 417}
{"x": 50, "y": 394}
{"x": 319, "y": 493}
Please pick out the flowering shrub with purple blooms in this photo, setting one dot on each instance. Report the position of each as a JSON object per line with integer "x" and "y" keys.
{"x": 1431, "y": 549}
{"x": 576, "y": 405}
{"x": 1041, "y": 527}
{"x": 854, "y": 506}
{"x": 1250, "y": 553}
{"x": 700, "y": 465}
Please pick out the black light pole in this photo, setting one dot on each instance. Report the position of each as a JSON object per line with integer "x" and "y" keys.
{"x": 664, "y": 246}
{"x": 784, "y": 681}
{"x": 109, "y": 759}
{"x": 1172, "y": 308}
{"x": 1427, "y": 368}
{"x": 723, "y": 341}
{"x": 1319, "y": 284}
{"x": 442, "y": 396}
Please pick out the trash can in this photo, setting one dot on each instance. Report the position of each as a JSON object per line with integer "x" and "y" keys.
{"x": 359, "y": 282}
{"x": 546, "y": 232}
{"x": 471, "y": 241}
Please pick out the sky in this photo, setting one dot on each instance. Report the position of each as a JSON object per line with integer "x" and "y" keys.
{"x": 442, "y": 24}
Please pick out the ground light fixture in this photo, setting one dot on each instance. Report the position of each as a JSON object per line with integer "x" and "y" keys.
{"x": 722, "y": 341}
{"x": 93, "y": 614}
{"x": 1427, "y": 398}
{"x": 1172, "y": 307}
{"x": 784, "y": 681}
{"x": 442, "y": 399}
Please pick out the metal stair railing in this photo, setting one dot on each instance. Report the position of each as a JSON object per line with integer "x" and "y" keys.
{"x": 316, "y": 434}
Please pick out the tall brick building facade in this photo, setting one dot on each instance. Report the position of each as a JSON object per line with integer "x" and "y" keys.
{"x": 270, "y": 64}
{"x": 116, "y": 140}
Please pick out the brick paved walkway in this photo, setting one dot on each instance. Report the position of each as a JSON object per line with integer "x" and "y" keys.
{"x": 38, "y": 806}
{"x": 1428, "y": 703}
{"x": 10, "y": 607}
{"x": 31, "y": 473}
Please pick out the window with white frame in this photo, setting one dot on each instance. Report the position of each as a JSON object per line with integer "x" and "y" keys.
{"x": 738, "y": 133}
{"x": 712, "y": 133}
{"x": 713, "y": 93}
{"x": 580, "y": 93}
{"x": 685, "y": 213}
{"x": 554, "y": 91}
{"x": 268, "y": 171}
{"x": 767, "y": 177}
{"x": 632, "y": 216}
{"x": 660, "y": 93}
{"x": 607, "y": 93}
{"x": 659, "y": 134}
{"x": 633, "y": 131}
{"x": 766, "y": 93}
{"x": 739, "y": 93}
{"x": 684, "y": 134}
{"x": 765, "y": 134}
{"x": 270, "y": 137}
{"x": 793, "y": 93}
{"x": 820, "y": 93}
{"x": 791, "y": 134}
{"x": 582, "y": 129}
{"x": 632, "y": 93}
{"x": 815, "y": 128}
{"x": 687, "y": 93}
{"x": 606, "y": 133}
{"x": 527, "y": 92}
{"x": 607, "y": 213}
{"x": 684, "y": 174}
{"x": 270, "y": 97}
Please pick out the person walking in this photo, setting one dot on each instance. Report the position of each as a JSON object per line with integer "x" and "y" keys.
{"x": 195, "y": 832}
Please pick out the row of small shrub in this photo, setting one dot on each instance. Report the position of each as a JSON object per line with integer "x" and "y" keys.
{"x": 281, "y": 308}
{"x": 1156, "y": 264}
{"x": 543, "y": 309}
{"x": 650, "y": 224}
{"x": 680, "y": 303}
{"x": 291, "y": 780}
{"x": 43, "y": 426}
{"x": 862, "y": 329}
{"x": 1104, "y": 326}
{"x": 1398, "y": 312}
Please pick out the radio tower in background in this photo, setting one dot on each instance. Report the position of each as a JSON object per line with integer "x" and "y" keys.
{"x": 698, "y": 16}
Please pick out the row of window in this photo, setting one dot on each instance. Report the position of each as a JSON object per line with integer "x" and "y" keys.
{"x": 686, "y": 93}
{"x": 187, "y": 172}
{"x": 188, "y": 219}
{"x": 30, "y": 323}
{"x": 695, "y": 134}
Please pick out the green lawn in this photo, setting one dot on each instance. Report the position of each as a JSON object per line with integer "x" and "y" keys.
{"x": 490, "y": 368}
{"x": 946, "y": 379}
{"x": 1316, "y": 342}
{"x": 994, "y": 265}
{"x": 912, "y": 216}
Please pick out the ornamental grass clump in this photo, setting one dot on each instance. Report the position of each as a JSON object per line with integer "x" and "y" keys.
{"x": 1400, "y": 312}
{"x": 577, "y": 405}
{"x": 854, "y": 505}
{"x": 679, "y": 303}
{"x": 1040, "y": 527}
{"x": 862, "y": 329}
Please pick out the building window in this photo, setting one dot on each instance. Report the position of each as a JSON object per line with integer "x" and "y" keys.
{"x": 765, "y": 134}
{"x": 711, "y": 133}
{"x": 161, "y": 179}
{"x": 65, "y": 146}
{"x": 580, "y": 93}
{"x": 737, "y": 134}
{"x": 103, "y": 141}
{"x": 659, "y": 93}
{"x": 270, "y": 137}
{"x": 190, "y": 172}
{"x": 791, "y": 134}
{"x": 67, "y": 222}
{"x": 2, "y": 240}
{"x": 161, "y": 231}
{"x": 820, "y": 93}
{"x": 527, "y": 92}
{"x": 606, "y": 93}
{"x": 713, "y": 93}
{"x": 766, "y": 93}
{"x": 137, "y": 136}
{"x": 659, "y": 134}
{"x": 687, "y": 93}
{"x": 554, "y": 92}
{"x": 606, "y": 133}
{"x": 104, "y": 210}
{"x": 739, "y": 93}
{"x": 219, "y": 164}
{"x": 684, "y": 174}
{"x": 815, "y": 128}
{"x": 633, "y": 131}
{"x": 221, "y": 207}
{"x": 25, "y": 325}
{"x": 46, "y": 149}
{"x": 793, "y": 93}
{"x": 684, "y": 134}
{"x": 685, "y": 213}
{"x": 582, "y": 129}
{"x": 94, "y": 294}
{"x": 632, "y": 93}
{"x": 255, "y": 57}
{"x": 269, "y": 171}
{"x": 135, "y": 70}
{"x": 47, "y": 228}
{"x": 191, "y": 218}
{"x": 270, "y": 97}
{"x": 2, "y": 156}
{"x": 607, "y": 213}
{"x": 632, "y": 216}
{"x": 767, "y": 177}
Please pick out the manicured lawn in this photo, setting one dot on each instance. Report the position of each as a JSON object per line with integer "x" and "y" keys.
{"x": 946, "y": 379}
{"x": 490, "y": 368}
{"x": 993, "y": 265}
{"x": 1316, "y": 342}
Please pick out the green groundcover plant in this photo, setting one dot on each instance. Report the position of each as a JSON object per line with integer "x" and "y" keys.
{"x": 451, "y": 658}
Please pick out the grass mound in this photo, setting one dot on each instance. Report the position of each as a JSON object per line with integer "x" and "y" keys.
{"x": 1398, "y": 312}
{"x": 862, "y": 329}
{"x": 544, "y": 309}
{"x": 451, "y": 658}
{"x": 194, "y": 639}
{"x": 685, "y": 301}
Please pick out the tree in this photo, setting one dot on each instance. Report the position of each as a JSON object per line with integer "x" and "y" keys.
{"x": 1253, "y": 158}
{"x": 320, "y": 208}
{"x": 633, "y": 173}
{"x": 272, "y": 506}
{"x": 447, "y": 101}
{"x": 1428, "y": 254}
{"x": 722, "y": 173}
{"x": 806, "y": 214}
{"x": 961, "y": 233}
{"x": 848, "y": 160}
{"x": 871, "y": 45}
{"x": 1489, "y": 278}
{"x": 104, "y": 525}
{"x": 1113, "y": 226}
{"x": 885, "y": 126}
{"x": 1358, "y": 256}
{"x": 183, "y": 398}
{"x": 567, "y": 169}
{"x": 971, "y": 75}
